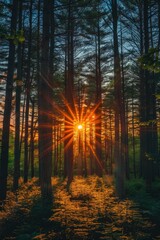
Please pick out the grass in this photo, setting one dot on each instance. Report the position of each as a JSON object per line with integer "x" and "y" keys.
{"x": 90, "y": 210}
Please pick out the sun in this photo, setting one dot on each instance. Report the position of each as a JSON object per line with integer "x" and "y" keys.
{"x": 80, "y": 126}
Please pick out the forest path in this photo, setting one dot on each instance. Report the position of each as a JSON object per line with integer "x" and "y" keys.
{"x": 89, "y": 211}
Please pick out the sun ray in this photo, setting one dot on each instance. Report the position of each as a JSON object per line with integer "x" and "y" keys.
{"x": 76, "y": 110}
{"x": 77, "y": 120}
{"x": 92, "y": 112}
{"x": 95, "y": 155}
{"x": 68, "y": 143}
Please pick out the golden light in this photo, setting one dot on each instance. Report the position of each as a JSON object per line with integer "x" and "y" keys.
{"x": 80, "y": 126}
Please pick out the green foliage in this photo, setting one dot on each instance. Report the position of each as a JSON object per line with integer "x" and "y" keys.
{"x": 11, "y": 153}
{"x": 158, "y": 96}
{"x": 149, "y": 203}
{"x": 135, "y": 186}
{"x": 11, "y": 157}
{"x": 17, "y": 37}
{"x": 151, "y": 60}
{"x": 156, "y": 188}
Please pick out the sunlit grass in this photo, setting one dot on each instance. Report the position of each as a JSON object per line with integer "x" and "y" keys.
{"x": 88, "y": 211}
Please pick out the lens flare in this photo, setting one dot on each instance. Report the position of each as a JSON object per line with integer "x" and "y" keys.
{"x": 75, "y": 125}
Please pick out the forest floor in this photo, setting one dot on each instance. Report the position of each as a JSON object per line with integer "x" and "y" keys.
{"x": 89, "y": 211}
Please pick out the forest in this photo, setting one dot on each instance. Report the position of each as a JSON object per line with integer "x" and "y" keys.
{"x": 80, "y": 119}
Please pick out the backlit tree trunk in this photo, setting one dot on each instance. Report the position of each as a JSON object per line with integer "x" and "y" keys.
{"x": 45, "y": 106}
{"x": 8, "y": 105}
{"x": 98, "y": 121}
{"x": 119, "y": 111}
{"x": 69, "y": 95}
{"x": 17, "y": 111}
{"x": 28, "y": 86}
{"x": 32, "y": 139}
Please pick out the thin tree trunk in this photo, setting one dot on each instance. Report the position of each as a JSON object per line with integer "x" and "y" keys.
{"x": 133, "y": 135}
{"x": 158, "y": 24}
{"x": 32, "y": 139}
{"x": 17, "y": 111}
{"x": 38, "y": 76}
{"x": 60, "y": 150}
{"x": 111, "y": 141}
{"x": 98, "y": 122}
{"x": 28, "y": 85}
{"x": 55, "y": 150}
{"x": 142, "y": 99}
{"x": 124, "y": 129}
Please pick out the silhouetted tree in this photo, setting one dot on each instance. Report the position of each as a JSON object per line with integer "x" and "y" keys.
{"x": 8, "y": 104}
{"x": 45, "y": 106}
{"x": 69, "y": 96}
{"x": 18, "y": 105}
{"x": 119, "y": 110}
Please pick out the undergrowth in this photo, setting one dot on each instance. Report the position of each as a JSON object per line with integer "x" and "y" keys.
{"x": 149, "y": 202}
{"x": 88, "y": 211}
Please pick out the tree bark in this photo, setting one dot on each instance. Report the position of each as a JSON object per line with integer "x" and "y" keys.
{"x": 98, "y": 121}
{"x": 8, "y": 105}
{"x": 45, "y": 106}
{"x": 32, "y": 139}
{"x": 119, "y": 111}
{"x": 28, "y": 86}
{"x": 151, "y": 148}
{"x": 69, "y": 95}
{"x": 17, "y": 111}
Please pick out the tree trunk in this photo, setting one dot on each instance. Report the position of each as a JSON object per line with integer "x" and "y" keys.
{"x": 38, "y": 76}
{"x": 98, "y": 120}
{"x": 69, "y": 95}
{"x": 17, "y": 111}
{"x": 28, "y": 86}
{"x": 32, "y": 139}
{"x": 151, "y": 150}
{"x": 124, "y": 120}
{"x": 142, "y": 100}
{"x": 119, "y": 111}
{"x": 45, "y": 106}
{"x": 8, "y": 105}
{"x": 133, "y": 135}
{"x": 158, "y": 23}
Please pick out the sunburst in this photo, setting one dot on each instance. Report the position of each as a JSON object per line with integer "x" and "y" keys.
{"x": 77, "y": 122}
